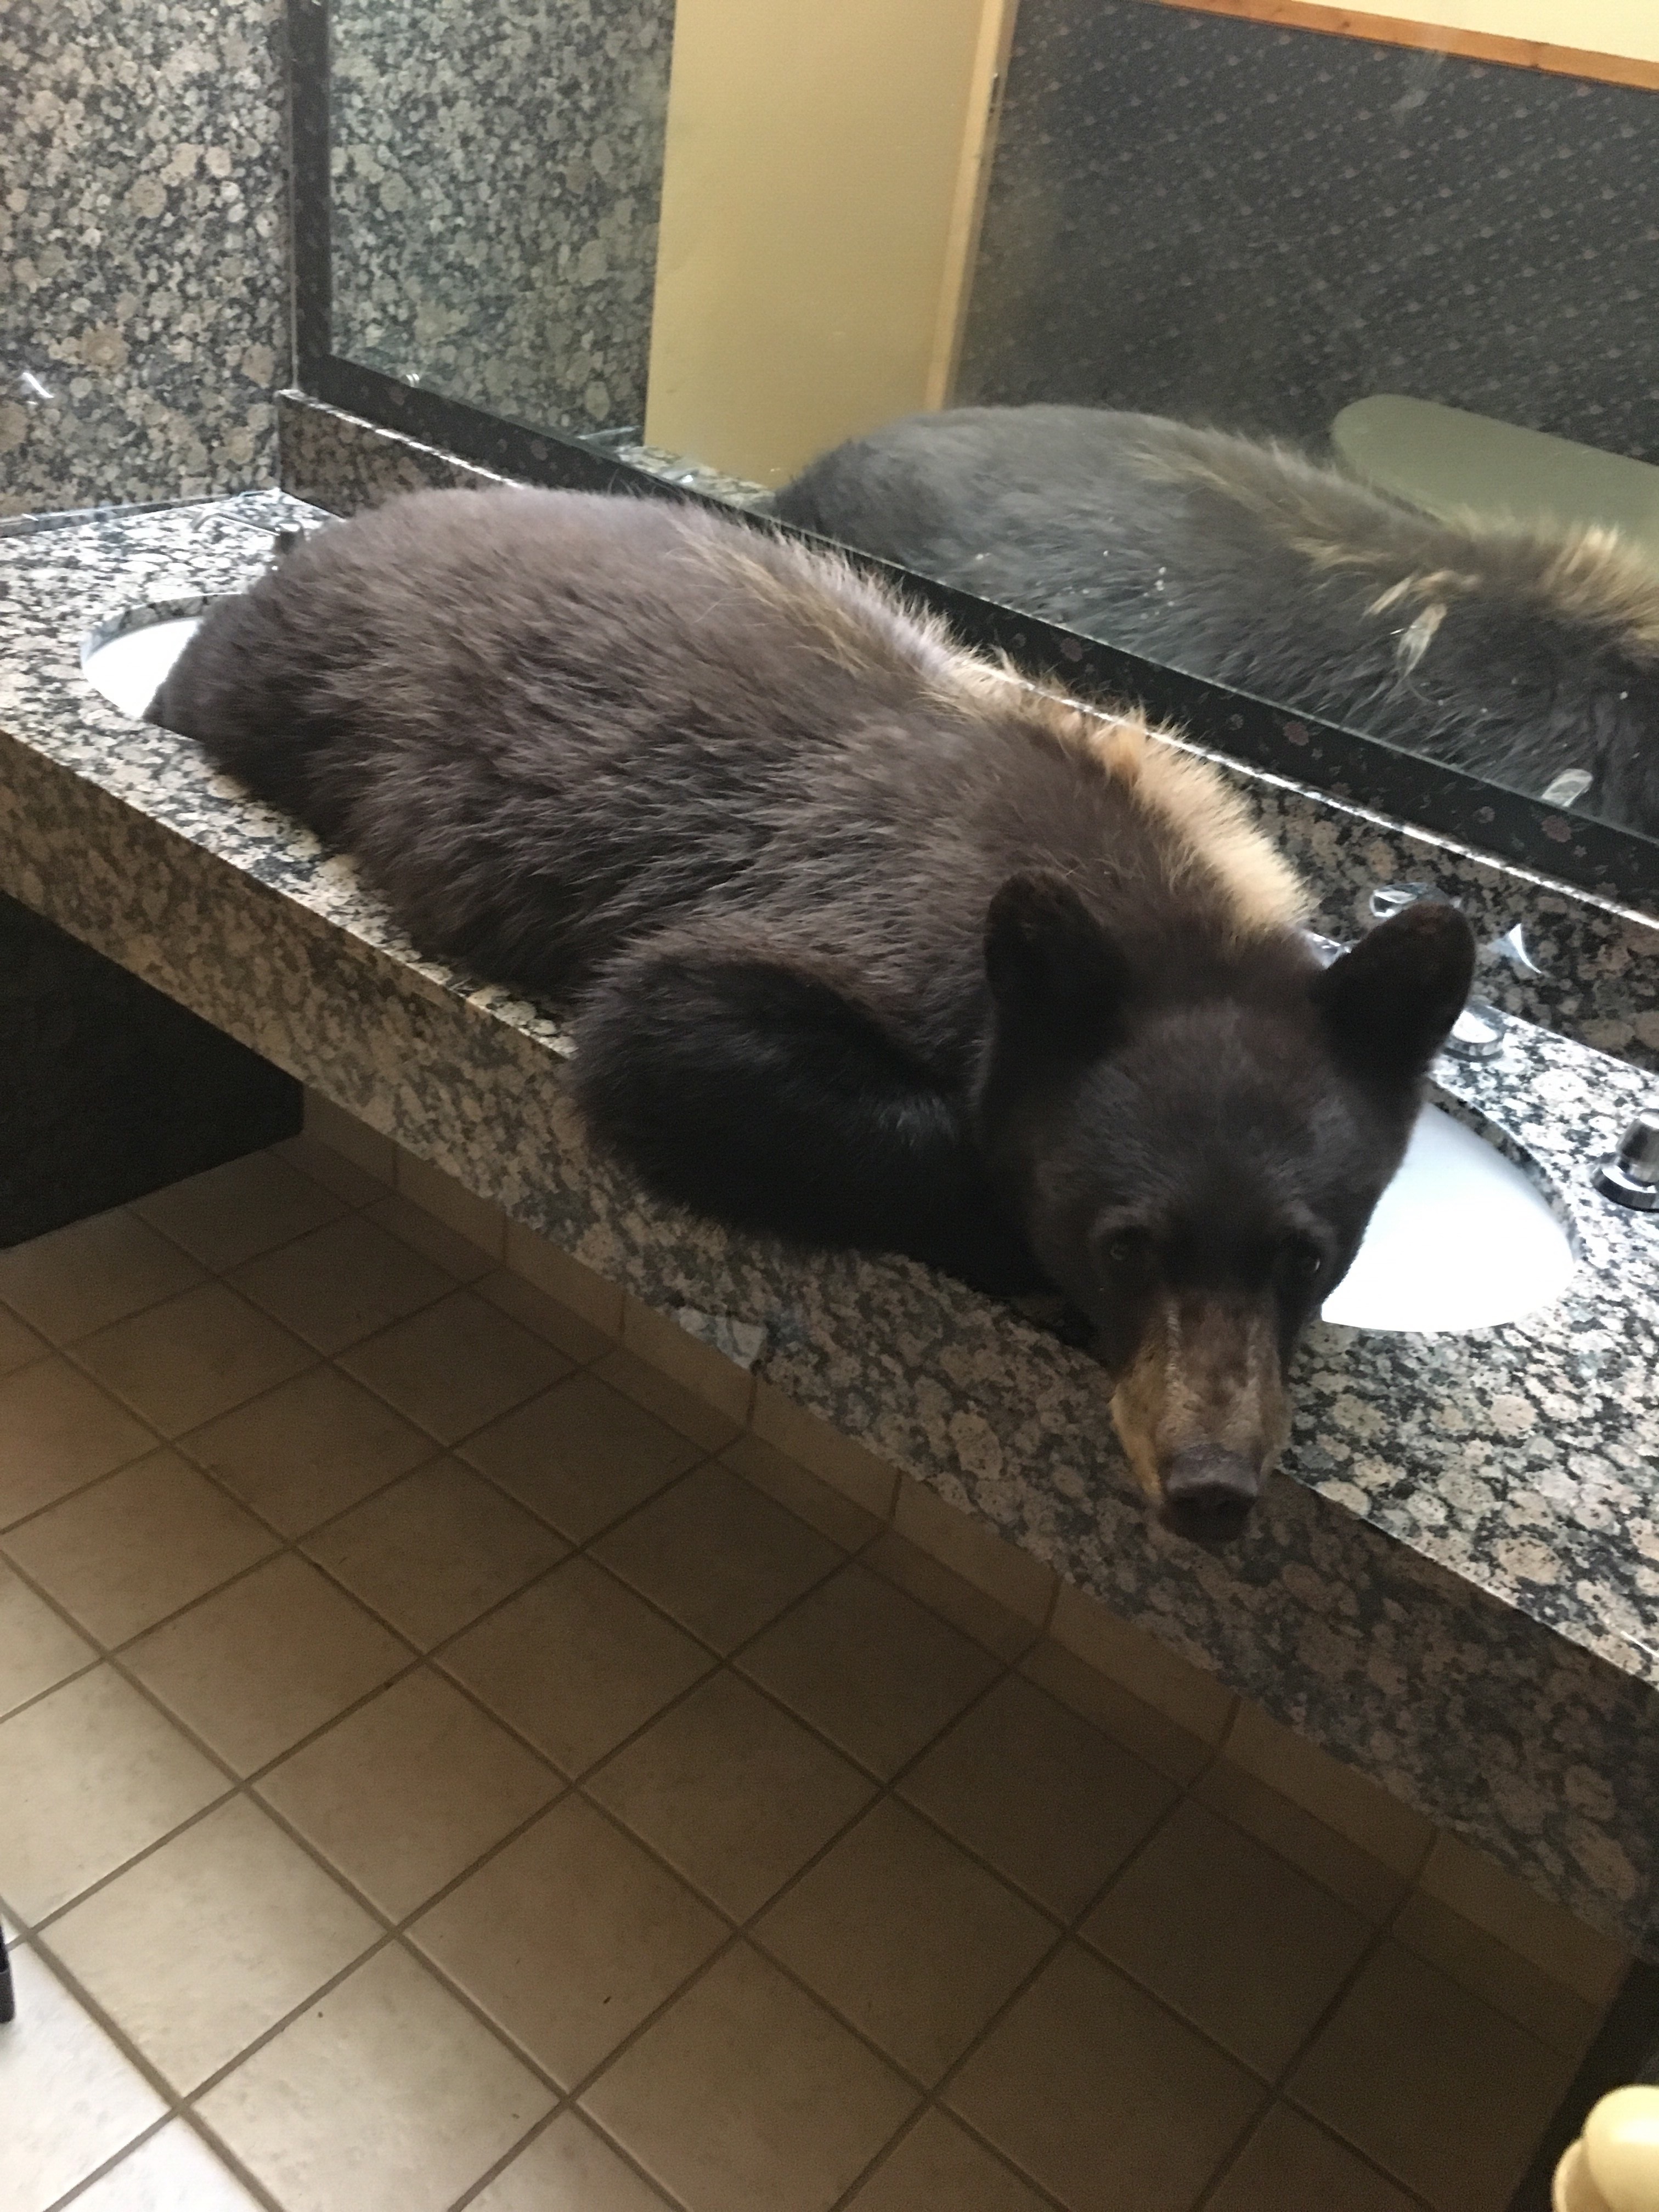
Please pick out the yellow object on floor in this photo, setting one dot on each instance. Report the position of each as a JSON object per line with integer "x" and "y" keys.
{"x": 1615, "y": 2165}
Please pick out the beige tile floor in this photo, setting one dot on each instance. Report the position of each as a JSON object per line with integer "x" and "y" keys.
{"x": 430, "y": 1776}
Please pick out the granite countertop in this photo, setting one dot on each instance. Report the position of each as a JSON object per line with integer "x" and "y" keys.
{"x": 1454, "y": 1584}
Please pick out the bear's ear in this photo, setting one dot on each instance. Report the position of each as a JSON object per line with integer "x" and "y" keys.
{"x": 1056, "y": 977}
{"x": 1388, "y": 1007}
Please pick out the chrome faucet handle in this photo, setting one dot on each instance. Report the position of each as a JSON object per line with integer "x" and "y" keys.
{"x": 1631, "y": 1175}
{"x": 1512, "y": 947}
{"x": 1388, "y": 899}
{"x": 1478, "y": 1032}
{"x": 1325, "y": 949}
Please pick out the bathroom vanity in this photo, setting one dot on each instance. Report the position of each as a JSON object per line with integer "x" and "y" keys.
{"x": 513, "y": 257}
{"x": 1453, "y": 1581}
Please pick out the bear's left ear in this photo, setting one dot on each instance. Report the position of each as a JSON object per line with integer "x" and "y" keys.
{"x": 1056, "y": 977}
{"x": 1388, "y": 1007}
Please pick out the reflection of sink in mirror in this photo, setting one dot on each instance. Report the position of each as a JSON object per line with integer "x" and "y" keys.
{"x": 1460, "y": 1239}
{"x": 129, "y": 670}
{"x": 1451, "y": 462}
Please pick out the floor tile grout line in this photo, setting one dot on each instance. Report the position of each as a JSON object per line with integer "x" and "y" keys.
{"x": 295, "y": 1539}
{"x": 883, "y": 1787}
{"x": 398, "y": 1932}
{"x": 284, "y": 1540}
{"x": 744, "y": 1929}
{"x": 261, "y": 2192}
{"x": 114, "y": 1657}
{"x": 736, "y": 1932}
{"x": 397, "y": 1929}
{"x": 567, "y": 2107}
{"x": 118, "y": 1656}
{"x": 222, "y": 1276}
{"x": 77, "y": 2194}
{"x": 392, "y": 1930}
{"x": 1069, "y": 1932}
{"x": 295, "y": 1544}
{"x": 136, "y": 2143}
{"x": 1381, "y": 1933}
{"x": 208, "y": 1273}
{"x": 177, "y": 2105}
{"x": 89, "y": 1374}
{"x": 456, "y": 1449}
{"x": 159, "y": 1443}
{"x": 75, "y": 1674}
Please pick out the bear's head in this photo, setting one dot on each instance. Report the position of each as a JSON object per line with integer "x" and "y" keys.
{"x": 1193, "y": 1139}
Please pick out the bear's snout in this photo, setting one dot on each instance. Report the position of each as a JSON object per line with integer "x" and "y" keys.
{"x": 1208, "y": 1491}
{"x": 1202, "y": 1409}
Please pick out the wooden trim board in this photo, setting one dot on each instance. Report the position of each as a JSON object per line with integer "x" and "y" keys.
{"x": 1470, "y": 45}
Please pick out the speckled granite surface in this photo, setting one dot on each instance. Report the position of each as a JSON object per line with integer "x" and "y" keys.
{"x": 1455, "y": 1584}
{"x": 339, "y": 462}
{"x": 497, "y": 177}
{"x": 143, "y": 228}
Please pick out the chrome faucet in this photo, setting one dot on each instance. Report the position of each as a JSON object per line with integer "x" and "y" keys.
{"x": 1632, "y": 1175}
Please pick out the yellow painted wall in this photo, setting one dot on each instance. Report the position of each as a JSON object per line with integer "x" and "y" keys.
{"x": 822, "y": 179}
{"x": 1630, "y": 27}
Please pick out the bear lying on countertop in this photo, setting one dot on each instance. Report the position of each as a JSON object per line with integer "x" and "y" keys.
{"x": 868, "y": 944}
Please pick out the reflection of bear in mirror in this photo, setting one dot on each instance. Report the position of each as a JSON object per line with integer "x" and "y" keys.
{"x": 868, "y": 945}
{"x": 1526, "y": 655}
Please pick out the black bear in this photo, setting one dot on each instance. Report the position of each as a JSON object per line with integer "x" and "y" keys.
{"x": 868, "y": 944}
{"x": 1530, "y": 656}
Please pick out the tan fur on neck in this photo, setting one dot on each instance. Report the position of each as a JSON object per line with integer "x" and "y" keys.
{"x": 1207, "y": 828}
{"x": 1208, "y": 825}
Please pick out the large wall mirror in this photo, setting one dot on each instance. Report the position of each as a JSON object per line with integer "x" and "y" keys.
{"x": 1293, "y": 370}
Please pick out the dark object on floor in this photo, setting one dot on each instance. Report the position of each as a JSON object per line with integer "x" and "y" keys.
{"x": 870, "y": 946}
{"x": 1625, "y": 2050}
{"x": 8, "y": 1999}
{"x": 109, "y": 1089}
{"x": 1528, "y": 656}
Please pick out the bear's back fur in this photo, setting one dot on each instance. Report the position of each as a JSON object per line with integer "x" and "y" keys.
{"x": 548, "y": 724}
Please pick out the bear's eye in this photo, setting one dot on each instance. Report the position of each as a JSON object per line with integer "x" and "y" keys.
{"x": 1127, "y": 1256}
{"x": 1301, "y": 1263}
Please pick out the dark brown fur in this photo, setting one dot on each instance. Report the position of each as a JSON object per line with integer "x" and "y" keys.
{"x": 868, "y": 945}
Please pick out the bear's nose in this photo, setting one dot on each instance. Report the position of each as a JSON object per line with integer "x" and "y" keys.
{"x": 1208, "y": 1491}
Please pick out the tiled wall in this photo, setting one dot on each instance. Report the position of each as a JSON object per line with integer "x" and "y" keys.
{"x": 1450, "y": 1904}
{"x": 143, "y": 228}
{"x": 496, "y": 179}
{"x": 1254, "y": 225}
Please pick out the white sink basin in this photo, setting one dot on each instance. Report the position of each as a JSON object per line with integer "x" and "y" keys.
{"x": 129, "y": 670}
{"x": 1460, "y": 1239}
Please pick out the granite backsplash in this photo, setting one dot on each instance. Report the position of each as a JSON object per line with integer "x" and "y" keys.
{"x": 143, "y": 228}
{"x": 495, "y": 179}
